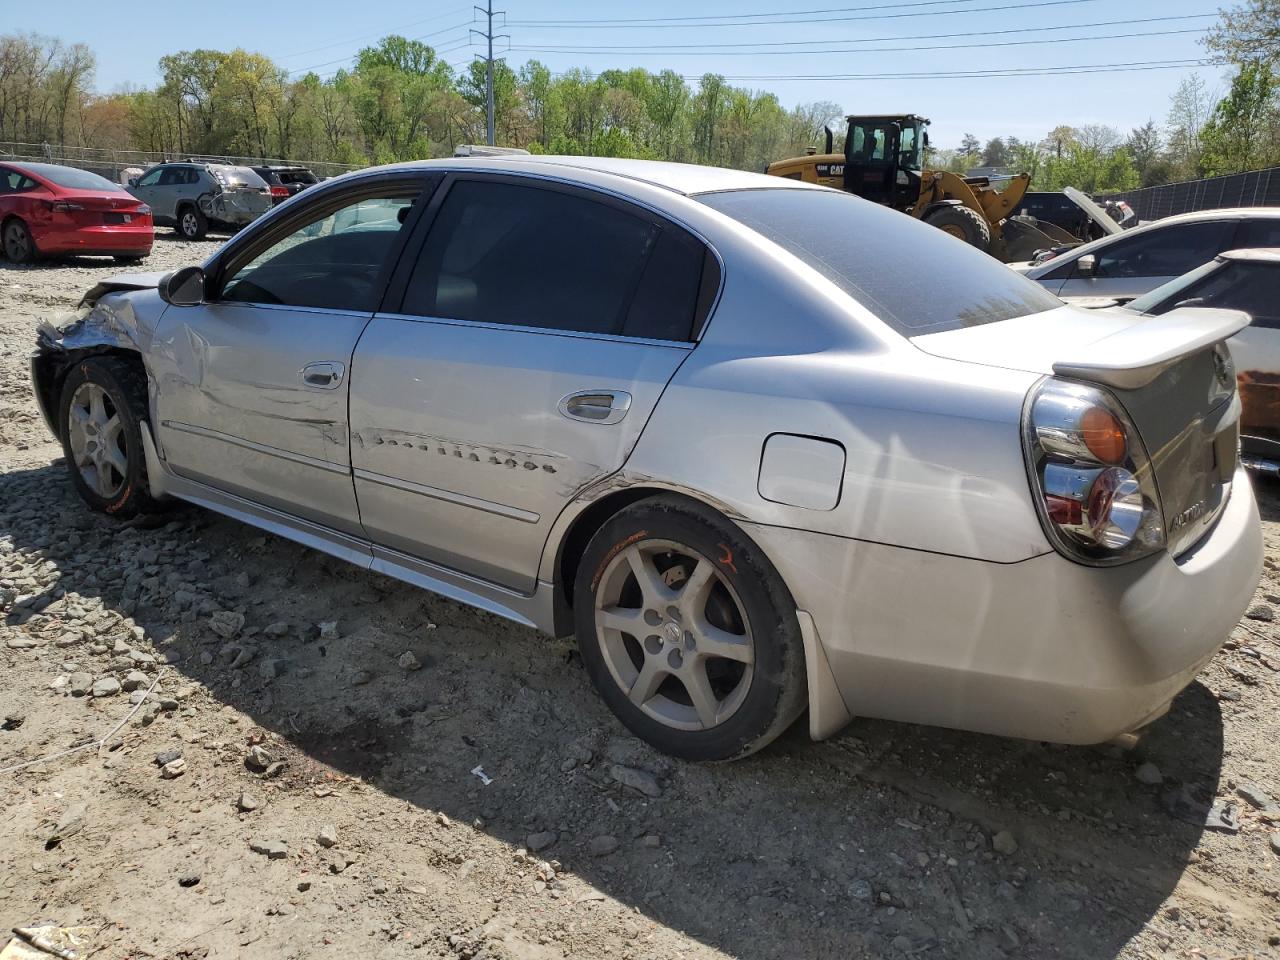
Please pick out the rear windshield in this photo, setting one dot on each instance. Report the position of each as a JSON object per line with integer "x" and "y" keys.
{"x": 72, "y": 177}
{"x": 241, "y": 177}
{"x": 296, "y": 176}
{"x": 916, "y": 278}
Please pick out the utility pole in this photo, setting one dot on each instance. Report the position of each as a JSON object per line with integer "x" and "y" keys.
{"x": 488, "y": 12}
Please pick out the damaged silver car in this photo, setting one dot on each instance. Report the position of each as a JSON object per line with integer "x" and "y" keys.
{"x": 718, "y": 425}
{"x": 195, "y": 198}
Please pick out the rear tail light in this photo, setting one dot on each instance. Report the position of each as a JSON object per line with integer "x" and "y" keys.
{"x": 279, "y": 191}
{"x": 1090, "y": 475}
{"x": 66, "y": 206}
{"x": 143, "y": 211}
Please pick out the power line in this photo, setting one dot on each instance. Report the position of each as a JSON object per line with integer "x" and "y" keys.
{"x": 710, "y": 47}
{"x": 490, "y": 36}
{"x": 373, "y": 36}
{"x": 742, "y": 16}
{"x": 791, "y": 18}
{"x": 949, "y": 46}
{"x": 1131, "y": 67}
{"x": 350, "y": 57}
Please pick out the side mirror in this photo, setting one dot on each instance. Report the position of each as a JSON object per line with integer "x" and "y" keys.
{"x": 1087, "y": 265}
{"x": 183, "y": 288}
{"x": 133, "y": 181}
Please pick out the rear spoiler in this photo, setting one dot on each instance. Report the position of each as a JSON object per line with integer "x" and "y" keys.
{"x": 1136, "y": 355}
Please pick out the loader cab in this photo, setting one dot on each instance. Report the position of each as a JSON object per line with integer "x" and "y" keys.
{"x": 884, "y": 157}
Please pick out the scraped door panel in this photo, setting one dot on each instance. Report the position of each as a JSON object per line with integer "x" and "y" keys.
{"x": 239, "y": 410}
{"x": 465, "y": 446}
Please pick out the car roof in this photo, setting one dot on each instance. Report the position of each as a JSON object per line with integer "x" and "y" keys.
{"x": 1254, "y": 255}
{"x": 684, "y": 178}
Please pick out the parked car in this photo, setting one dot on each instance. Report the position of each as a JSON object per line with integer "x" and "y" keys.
{"x": 717, "y": 424}
{"x": 1062, "y": 211}
{"x": 1247, "y": 280}
{"x": 48, "y": 210}
{"x": 285, "y": 181}
{"x": 1131, "y": 263}
{"x": 194, "y": 197}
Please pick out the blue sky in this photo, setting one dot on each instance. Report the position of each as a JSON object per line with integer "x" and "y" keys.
{"x": 325, "y": 33}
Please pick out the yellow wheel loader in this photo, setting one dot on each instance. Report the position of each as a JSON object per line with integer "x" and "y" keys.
{"x": 882, "y": 162}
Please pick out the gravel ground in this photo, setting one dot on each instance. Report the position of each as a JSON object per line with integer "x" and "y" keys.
{"x": 321, "y": 793}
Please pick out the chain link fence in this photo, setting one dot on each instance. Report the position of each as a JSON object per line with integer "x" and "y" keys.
{"x": 112, "y": 164}
{"x": 1260, "y": 188}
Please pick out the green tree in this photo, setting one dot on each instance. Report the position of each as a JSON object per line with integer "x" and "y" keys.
{"x": 1242, "y": 132}
{"x": 1248, "y": 32}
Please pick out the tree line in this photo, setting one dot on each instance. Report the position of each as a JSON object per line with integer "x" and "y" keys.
{"x": 399, "y": 100}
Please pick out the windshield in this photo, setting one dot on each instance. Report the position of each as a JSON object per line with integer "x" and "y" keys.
{"x": 915, "y": 277}
{"x": 73, "y": 177}
{"x": 909, "y": 148}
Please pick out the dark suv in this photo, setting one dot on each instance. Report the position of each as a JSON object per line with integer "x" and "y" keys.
{"x": 285, "y": 181}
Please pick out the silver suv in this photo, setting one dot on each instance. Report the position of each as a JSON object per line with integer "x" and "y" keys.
{"x": 196, "y": 197}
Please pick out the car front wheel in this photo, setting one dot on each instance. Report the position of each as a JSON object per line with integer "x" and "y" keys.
{"x": 688, "y": 632}
{"x": 104, "y": 400}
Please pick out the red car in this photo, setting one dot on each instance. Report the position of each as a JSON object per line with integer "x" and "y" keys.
{"x": 47, "y": 210}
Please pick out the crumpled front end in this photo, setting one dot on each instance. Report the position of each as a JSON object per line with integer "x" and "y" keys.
{"x": 116, "y": 315}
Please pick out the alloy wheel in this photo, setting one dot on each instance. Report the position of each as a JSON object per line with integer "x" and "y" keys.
{"x": 190, "y": 225}
{"x": 17, "y": 242}
{"x": 674, "y": 634}
{"x": 96, "y": 433}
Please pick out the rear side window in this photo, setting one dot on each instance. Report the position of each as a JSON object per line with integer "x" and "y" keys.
{"x": 915, "y": 277}
{"x": 1240, "y": 285}
{"x": 532, "y": 256}
{"x": 1168, "y": 252}
{"x": 1257, "y": 232}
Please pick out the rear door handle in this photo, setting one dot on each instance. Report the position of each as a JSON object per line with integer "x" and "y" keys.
{"x": 596, "y": 406}
{"x": 325, "y": 374}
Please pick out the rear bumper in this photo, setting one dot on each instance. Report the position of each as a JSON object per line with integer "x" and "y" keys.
{"x": 117, "y": 240}
{"x": 1044, "y": 649}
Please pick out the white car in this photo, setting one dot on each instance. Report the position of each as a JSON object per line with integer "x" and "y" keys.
{"x": 1129, "y": 264}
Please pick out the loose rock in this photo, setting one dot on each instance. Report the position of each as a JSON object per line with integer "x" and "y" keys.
{"x": 106, "y": 687}
{"x": 1149, "y": 774}
{"x": 408, "y": 661}
{"x": 1003, "y": 842}
{"x": 639, "y": 780}
{"x": 271, "y": 849}
{"x": 602, "y": 846}
{"x": 328, "y": 836}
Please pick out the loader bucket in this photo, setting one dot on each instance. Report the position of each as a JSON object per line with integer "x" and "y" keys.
{"x": 1020, "y": 239}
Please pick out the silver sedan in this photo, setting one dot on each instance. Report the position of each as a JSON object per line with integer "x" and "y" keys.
{"x": 761, "y": 445}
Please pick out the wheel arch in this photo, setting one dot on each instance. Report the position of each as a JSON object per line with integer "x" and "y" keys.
{"x": 49, "y": 371}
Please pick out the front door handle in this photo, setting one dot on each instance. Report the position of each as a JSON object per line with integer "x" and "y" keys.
{"x": 596, "y": 406}
{"x": 325, "y": 374}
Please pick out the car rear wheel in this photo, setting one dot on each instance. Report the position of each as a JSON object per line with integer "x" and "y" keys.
{"x": 688, "y": 632}
{"x": 19, "y": 247}
{"x": 104, "y": 401}
{"x": 192, "y": 224}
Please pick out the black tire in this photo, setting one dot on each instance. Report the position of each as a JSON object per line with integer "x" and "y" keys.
{"x": 191, "y": 223}
{"x": 128, "y": 261}
{"x": 19, "y": 246}
{"x": 125, "y": 386}
{"x": 962, "y": 223}
{"x": 775, "y": 691}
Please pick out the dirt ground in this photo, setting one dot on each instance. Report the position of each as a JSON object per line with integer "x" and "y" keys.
{"x": 328, "y": 801}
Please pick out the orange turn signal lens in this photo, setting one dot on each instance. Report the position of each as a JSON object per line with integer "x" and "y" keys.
{"x": 1103, "y": 435}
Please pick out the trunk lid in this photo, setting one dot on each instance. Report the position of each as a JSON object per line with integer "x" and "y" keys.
{"x": 1169, "y": 372}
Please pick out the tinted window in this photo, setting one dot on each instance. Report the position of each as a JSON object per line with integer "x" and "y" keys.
{"x": 333, "y": 262}
{"x": 13, "y": 182}
{"x": 1170, "y": 252}
{"x": 1239, "y": 285}
{"x": 71, "y": 177}
{"x": 531, "y": 256}
{"x": 666, "y": 302}
{"x": 915, "y": 277}
{"x": 1257, "y": 233}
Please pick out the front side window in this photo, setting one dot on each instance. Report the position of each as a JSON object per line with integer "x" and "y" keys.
{"x": 152, "y": 177}
{"x": 874, "y": 254}
{"x": 333, "y": 261}
{"x": 1170, "y": 252}
{"x": 530, "y": 256}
